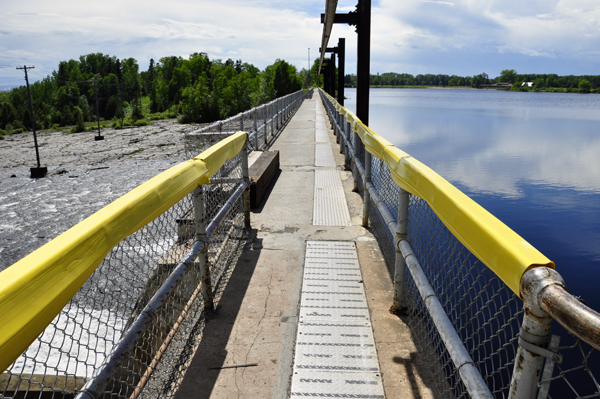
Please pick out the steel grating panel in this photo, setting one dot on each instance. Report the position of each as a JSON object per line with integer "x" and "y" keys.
{"x": 324, "y": 156}
{"x": 322, "y": 136}
{"x": 335, "y": 350}
{"x": 337, "y": 385}
{"x": 330, "y": 208}
{"x": 348, "y": 245}
{"x": 327, "y": 178}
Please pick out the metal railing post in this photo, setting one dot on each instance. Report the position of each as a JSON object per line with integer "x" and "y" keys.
{"x": 400, "y": 264}
{"x": 265, "y": 127}
{"x": 276, "y": 115}
{"x": 246, "y": 178}
{"x": 355, "y": 167}
{"x": 272, "y": 119}
{"x": 534, "y": 334}
{"x": 201, "y": 236}
{"x": 242, "y": 122}
{"x": 255, "y": 130}
{"x": 366, "y": 195}
{"x": 338, "y": 127}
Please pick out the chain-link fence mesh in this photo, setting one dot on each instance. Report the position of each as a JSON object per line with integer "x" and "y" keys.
{"x": 485, "y": 313}
{"x": 261, "y": 123}
{"x": 90, "y": 326}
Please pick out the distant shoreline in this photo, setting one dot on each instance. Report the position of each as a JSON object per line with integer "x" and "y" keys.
{"x": 573, "y": 91}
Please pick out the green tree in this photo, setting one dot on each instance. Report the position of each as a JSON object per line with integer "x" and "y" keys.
{"x": 584, "y": 86}
{"x": 508, "y": 76}
{"x": 79, "y": 125}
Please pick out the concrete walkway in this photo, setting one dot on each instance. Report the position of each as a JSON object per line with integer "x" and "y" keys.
{"x": 248, "y": 345}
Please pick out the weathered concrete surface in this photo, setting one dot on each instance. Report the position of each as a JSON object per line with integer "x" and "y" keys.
{"x": 83, "y": 176}
{"x": 256, "y": 319}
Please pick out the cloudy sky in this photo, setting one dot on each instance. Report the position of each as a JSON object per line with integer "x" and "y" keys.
{"x": 463, "y": 37}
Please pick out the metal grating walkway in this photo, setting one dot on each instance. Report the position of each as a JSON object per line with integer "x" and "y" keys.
{"x": 335, "y": 350}
{"x": 330, "y": 207}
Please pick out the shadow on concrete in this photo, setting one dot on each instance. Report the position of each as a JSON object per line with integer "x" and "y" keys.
{"x": 261, "y": 206}
{"x": 411, "y": 367}
{"x": 204, "y": 369}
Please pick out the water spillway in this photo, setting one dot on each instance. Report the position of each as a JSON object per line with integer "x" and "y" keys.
{"x": 454, "y": 329}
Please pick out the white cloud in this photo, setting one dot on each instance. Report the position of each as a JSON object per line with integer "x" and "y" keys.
{"x": 565, "y": 31}
{"x": 267, "y": 30}
{"x": 415, "y": 36}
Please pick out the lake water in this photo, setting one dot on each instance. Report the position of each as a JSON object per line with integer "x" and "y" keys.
{"x": 531, "y": 159}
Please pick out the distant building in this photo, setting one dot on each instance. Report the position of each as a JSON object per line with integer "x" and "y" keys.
{"x": 498, "y": 86}
{"x": 528, "y": 84}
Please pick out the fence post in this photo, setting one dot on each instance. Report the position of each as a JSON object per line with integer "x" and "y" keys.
{"x": 255, "y": 130}
{"x": 355, "y": 156}
{"x": 272, "y": 119}
{"x": 534, "y": 334}
{"x": 400, "y": 265}
{"x": 242, "y": 122}
{"x": 279, "y": 114}
{"x": 366, "y": 194}
{"x": 338, "y": 128}
{"x": 207, "y": 292}
{"x": 246, "y": 178}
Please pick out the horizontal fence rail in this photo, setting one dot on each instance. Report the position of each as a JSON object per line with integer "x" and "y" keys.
{"x": 115, "y": 306}
{"x": 262, "y": 124}
{"x": 479, "y": 298}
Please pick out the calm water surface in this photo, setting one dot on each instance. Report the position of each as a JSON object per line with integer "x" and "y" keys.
{"x": 531, "y": 159}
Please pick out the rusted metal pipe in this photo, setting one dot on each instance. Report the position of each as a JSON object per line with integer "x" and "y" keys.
{"x": 534, "y": 334}
{"x": 545, "y": 288}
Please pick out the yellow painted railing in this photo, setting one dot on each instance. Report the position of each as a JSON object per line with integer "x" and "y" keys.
{"x": 491, "y": 241}
{"x": 34, "y": 290}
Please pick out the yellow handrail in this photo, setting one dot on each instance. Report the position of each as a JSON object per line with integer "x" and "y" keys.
{"x": 34, "y": 290}
{"x": 501, "y": 249}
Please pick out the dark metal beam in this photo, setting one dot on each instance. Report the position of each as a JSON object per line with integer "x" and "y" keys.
{"x": 363, "y": 29}
{"x": 362, "y": 19}
{"x": 349, "y": 18}
{"x": 330, "y": 50}
{"x": 341, "y": 53}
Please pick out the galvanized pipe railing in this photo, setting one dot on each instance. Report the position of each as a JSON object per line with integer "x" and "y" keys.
{"x": 469, "y": 373}
{"x": 274, "y": 114}
{"x": 542, "y": 290}
{"x": 96, "y": 385}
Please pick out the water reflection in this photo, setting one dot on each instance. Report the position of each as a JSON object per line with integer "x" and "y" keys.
{"x": 492, "y": 142}
{"x": 531, "y": 159}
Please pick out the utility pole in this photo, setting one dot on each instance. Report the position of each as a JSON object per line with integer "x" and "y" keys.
{"x": 99, "y": 136}
{"x": 39, "y": 171}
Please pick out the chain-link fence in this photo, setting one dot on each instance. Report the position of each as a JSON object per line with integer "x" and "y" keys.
{"x": 262, "y": 124}
{"x": 485, "y": 314}
{"x": 133, "y": 326}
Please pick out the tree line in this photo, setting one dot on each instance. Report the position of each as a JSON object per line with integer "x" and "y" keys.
{"x": 548, "y": 82}
{"x": 196, "y": 89}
